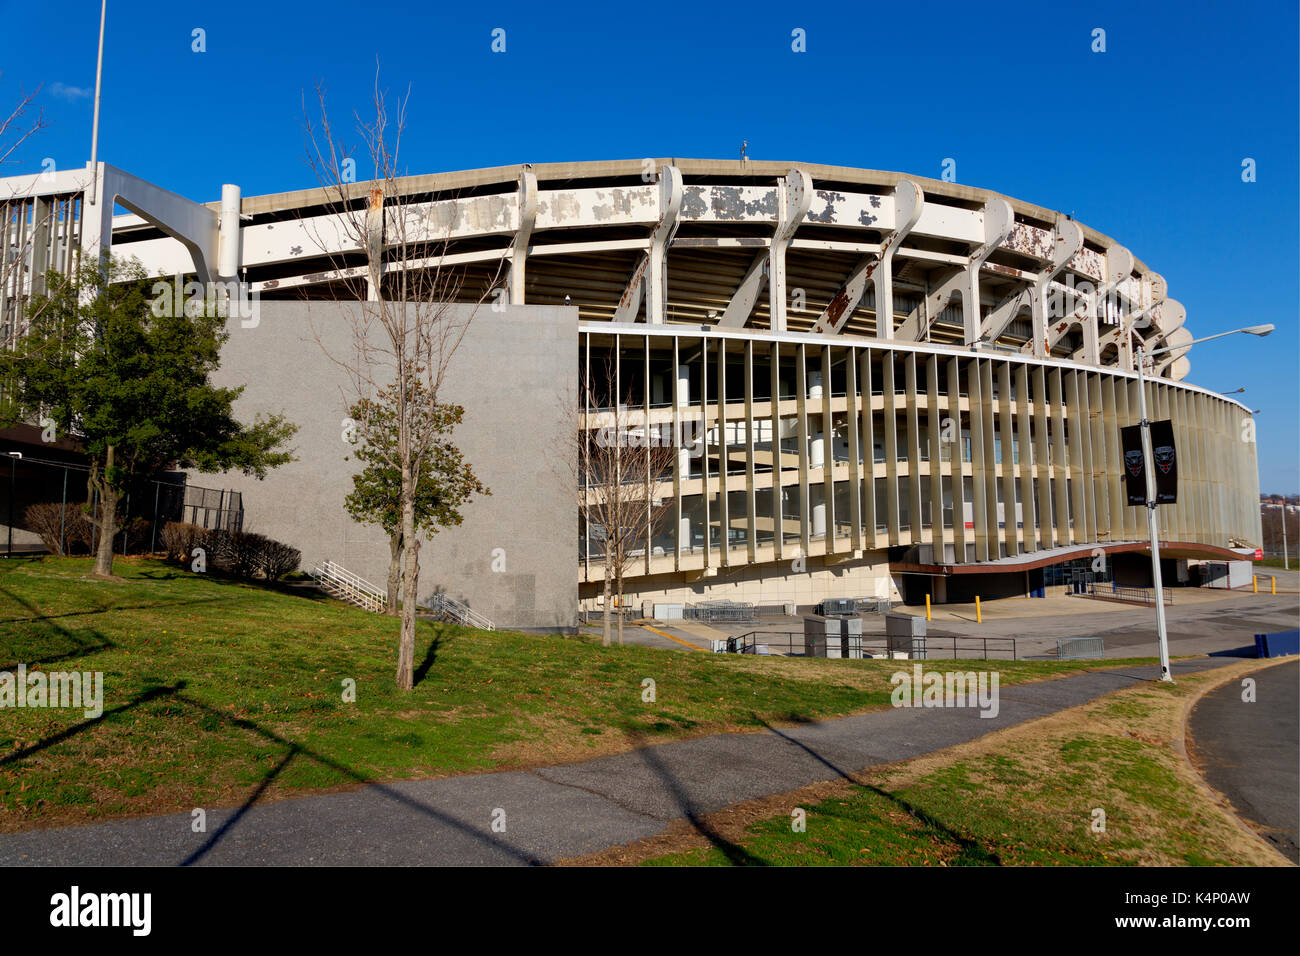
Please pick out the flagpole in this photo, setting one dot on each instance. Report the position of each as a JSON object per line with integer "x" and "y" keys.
{"x": 94, "y": 129}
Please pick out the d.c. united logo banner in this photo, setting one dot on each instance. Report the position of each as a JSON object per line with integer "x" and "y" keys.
{"x": 1166, "y": 463}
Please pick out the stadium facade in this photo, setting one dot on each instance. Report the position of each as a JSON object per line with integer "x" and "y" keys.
{"x": 887, "y": 383}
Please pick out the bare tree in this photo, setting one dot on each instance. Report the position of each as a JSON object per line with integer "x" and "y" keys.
{"x": 624, "y": 459}
{"x": 18, "y": 126}
{"x": 15, "y": 240}
{"x": 408, "y": 311}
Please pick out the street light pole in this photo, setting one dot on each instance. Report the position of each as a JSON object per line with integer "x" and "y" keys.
{"x": 1286, "y": 564}
{"x": 1152, "y": 524}
{"x": 1148, "y": 461}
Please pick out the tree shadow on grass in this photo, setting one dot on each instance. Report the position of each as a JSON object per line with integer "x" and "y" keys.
{"x": 81, "y": 647}
{"x": 293, "y": 751}
{"x": 152, "y": 694}
{"x": 970, "y": 850}
{"x": 651, "y": 756}
{"x": 430, "y": 656}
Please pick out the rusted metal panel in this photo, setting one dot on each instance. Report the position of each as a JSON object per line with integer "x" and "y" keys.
{"x": 1031, "y": 241}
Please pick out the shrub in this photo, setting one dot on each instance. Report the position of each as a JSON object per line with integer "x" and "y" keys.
{"x": 178, "y": 538}
{"x": 242, "y": 553}
{"x": 277, "y": 559}
{"x": 80, "y": 532}
{"x": 137, "y": 532}
{"x": 215, "y": 543}
{"x": 49, "y": 521}
{"x": 63, "y": 529}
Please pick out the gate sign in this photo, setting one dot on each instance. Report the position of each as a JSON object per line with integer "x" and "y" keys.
{"x": 1166, "y": 463}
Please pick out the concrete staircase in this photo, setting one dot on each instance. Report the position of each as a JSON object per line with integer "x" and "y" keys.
{"x": 338, "y": 581}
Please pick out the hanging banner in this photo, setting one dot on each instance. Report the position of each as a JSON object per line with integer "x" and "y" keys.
{"x": 1162, "y": 447}
{"x": 1166, "y": 463}
{"x": 1135, "y": 481}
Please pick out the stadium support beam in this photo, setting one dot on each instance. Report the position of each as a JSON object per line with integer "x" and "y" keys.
{"x": 1068, "y": 240}
{"x": 746, "y": 295}
{"x": 794, "y": 195}
{"x": 1152, "y": 292}
{"x": 998, "y": 220}
{"x": 656, "y": 277}
{"x": 843, "y": 303}
{"x": 1002, "y": 314}
{"x": 878, "y": 269}
{"x": 211, "y": 238}
{"x": 1119, "y": 266}
{"x": 1174, "y": 312}
{"x": 916, "y": 325}
{"x": 629, "y": 303}
{"x": 527, "y": 218}
{"x": 909, "y": 200}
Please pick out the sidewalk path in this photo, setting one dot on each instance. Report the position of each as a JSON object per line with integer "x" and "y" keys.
{"x": 551, "y": 812}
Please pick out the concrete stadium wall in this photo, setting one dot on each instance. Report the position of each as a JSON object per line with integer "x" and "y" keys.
{"x": 513, "y": 374}
{"x": 771, "y": 583}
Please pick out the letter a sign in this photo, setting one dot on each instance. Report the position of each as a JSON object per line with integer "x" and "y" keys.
{"x": 1166, "y": 463}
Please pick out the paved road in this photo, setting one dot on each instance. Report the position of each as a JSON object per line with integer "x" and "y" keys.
{"x": 552, "y": 812}
{"x": 1251, "y": 752}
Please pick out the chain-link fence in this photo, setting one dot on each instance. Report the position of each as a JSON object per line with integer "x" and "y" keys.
{"x": 146, "y": 508}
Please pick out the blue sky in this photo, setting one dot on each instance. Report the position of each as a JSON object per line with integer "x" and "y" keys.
{"x": 1143, "y": 142}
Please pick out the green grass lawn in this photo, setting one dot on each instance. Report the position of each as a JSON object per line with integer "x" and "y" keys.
{"x": 1277, "y": 563}
{"x": 213, "y": 688}
{"x": 1024, "y": 796}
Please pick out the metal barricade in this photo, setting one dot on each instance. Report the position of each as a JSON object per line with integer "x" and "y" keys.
{"x": 1079, "y": 648}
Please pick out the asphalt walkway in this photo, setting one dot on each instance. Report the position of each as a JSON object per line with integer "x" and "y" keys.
{"x": 1250, "y": 751}
{"x": 545, "y": 814}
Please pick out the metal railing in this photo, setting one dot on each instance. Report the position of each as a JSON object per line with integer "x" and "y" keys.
{"x": 935, "y": 643}
{"x": 341, "y": 583}
{"x": 445, "y": 606}
{"x": 930, "y": 647}
{"x": 1126, "y": 595}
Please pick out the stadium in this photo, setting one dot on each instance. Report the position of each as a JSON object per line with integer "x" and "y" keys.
{"x": 893, "y": 386}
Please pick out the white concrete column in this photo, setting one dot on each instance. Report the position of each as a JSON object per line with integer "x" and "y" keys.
{"x": 228, "y": 233}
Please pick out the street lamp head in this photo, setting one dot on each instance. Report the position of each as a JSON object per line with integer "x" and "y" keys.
{"x": 1260, "y": 330}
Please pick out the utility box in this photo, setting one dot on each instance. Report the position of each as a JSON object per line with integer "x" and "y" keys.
{"x": 1227, "y": 574}
{"x": 832, "y": 637}
{"x": 667, "y": 612}
{"x": 905, "y": 635}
